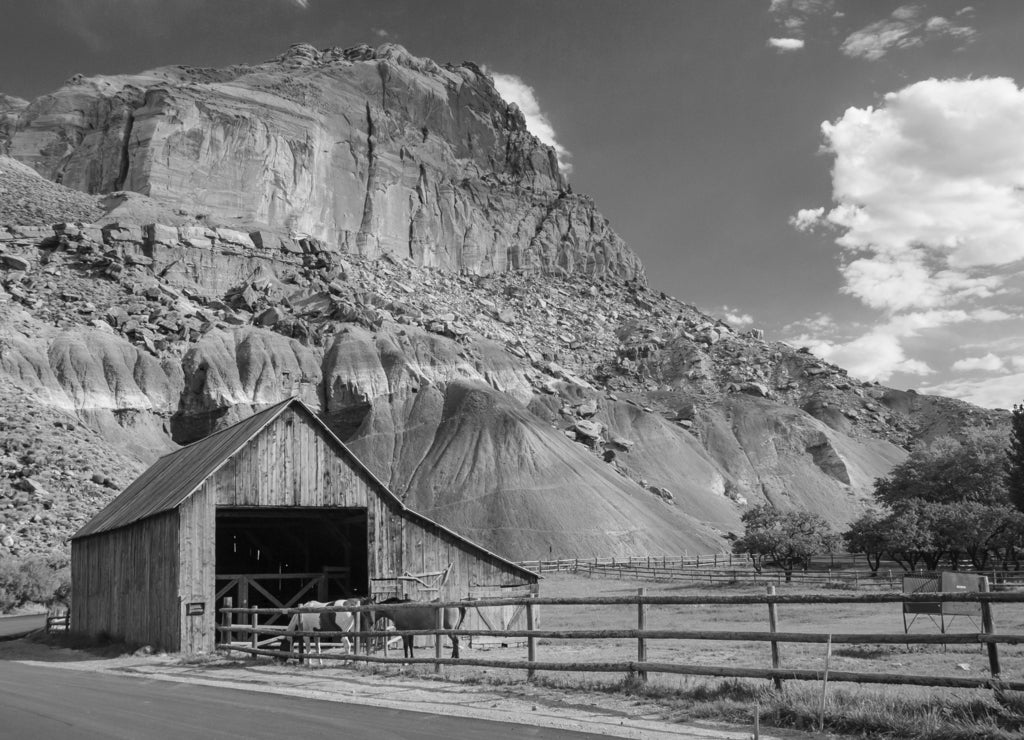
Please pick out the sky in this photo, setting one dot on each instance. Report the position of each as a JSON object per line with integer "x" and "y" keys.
{"x": 847, "y": 175}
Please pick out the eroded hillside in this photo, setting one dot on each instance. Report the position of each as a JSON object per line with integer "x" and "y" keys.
{"x": 474, "y": 330}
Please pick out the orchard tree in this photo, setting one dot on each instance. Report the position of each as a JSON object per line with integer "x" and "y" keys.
{"x": 910, "y": 534}
{"x": 868, "y": 536}
{"x": 947, "y": 471}
{"x": 789, "y": 538}
{"x": 1015, "y": 458}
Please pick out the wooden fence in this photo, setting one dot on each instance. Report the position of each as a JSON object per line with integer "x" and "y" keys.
{"x": 724, "y": 568}
{"x": 58, "y": 622}
{"x": 988, "y": 637}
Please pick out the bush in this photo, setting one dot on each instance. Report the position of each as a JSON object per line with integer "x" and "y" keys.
{"x": 33, "y": 580}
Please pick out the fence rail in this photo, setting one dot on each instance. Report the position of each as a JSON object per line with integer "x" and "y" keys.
{"x": 725, "y": 568}
{"x": 642, "y": 667}
{"x": 58, "y": 622}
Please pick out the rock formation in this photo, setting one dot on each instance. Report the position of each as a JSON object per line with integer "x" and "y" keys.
{"x": 369, "y": 151}
{"x": 381, "y": 237}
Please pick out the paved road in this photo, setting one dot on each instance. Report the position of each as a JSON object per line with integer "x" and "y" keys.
{"x": 10, "y": 626}
{"x": 41, "y": 702}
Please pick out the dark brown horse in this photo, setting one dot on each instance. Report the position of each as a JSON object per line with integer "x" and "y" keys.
{"x": 420, "y": 617}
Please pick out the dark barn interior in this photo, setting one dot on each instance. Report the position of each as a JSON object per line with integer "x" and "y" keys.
{"x": 284, "y": 556}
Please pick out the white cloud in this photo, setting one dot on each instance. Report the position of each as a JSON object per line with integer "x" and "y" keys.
{"x": 928, "y": 193}
{"x": 514, "y": 90}
{"x": 988, "y": 363}
{"x": 907, "y": 27}
{"x": 381, "y": 32}
{"x": 1000, "y": 392}
{"x": 784, "y": 45}
{"x": 821, "y": 325}
{"x": 879, "y": 353}
{"x": 794, "y": 16}
{"x": 735, "y": 318}
{"x": 875, "y": 355}
{"x": 807, "y": 218}
{"x": 304, "y": 4}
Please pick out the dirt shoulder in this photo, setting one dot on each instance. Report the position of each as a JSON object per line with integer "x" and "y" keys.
{"x": 598, "y": 713}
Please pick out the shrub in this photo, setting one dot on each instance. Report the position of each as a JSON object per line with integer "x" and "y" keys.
{"x": 33, "y": 580}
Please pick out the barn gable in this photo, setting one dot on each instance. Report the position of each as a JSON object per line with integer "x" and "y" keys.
{"x": 278, "y": 487}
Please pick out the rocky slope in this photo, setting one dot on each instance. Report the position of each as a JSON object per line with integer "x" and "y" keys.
{"x": 565, "y": 410}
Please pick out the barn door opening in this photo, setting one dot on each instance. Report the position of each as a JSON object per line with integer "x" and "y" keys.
{"x": 281, "y": 557}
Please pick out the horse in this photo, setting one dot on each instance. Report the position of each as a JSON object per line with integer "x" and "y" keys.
{"x": 421, "y": 617}
{"x": 313, "y": 622}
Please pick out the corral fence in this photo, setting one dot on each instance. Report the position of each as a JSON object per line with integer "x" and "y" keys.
{"x": 257, "y": 639}
{"x": 59, "y": 621}
{"x": 725, "y": 568}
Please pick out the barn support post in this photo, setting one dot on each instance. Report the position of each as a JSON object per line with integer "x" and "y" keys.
{"x": 531, "y": 641}
{"x": 641, "y": 625}
{"x": 988, "y": 626}
{"x": 254, "y": 639}
{"x": 773, "y": 626}
{"x": 439, "y": 621}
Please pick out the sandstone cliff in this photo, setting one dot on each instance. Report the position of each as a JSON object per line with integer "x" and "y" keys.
{"x": 370, "y": 151}
{"x": 380, "y": 236}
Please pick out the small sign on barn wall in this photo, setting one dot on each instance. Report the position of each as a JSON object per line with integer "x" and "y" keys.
{"x": 195, "y": 608}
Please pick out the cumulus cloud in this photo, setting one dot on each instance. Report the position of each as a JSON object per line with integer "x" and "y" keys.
{"x": 908, "y": 26}
{"x": 928, "y": 209}
{"x": 807, "y": 218}
{"x": 735, "y": 318}
{"x": 879, "y": 353}
{"x": 794, "y": 16}
{"x": 1001, "y": 392}
{"x": 988, "y": 363}
{"x": 514, "y": 90}
{"x": 304, "y": 4}
{"x": 928, "y": 193}
{"x": 784, "y": 45}
{"x": 874, "y": 355}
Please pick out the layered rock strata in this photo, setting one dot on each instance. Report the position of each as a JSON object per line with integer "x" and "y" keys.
{"x": 369, "y": 151}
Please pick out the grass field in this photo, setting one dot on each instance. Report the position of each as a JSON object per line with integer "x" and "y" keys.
{"x": 858, "y": 710}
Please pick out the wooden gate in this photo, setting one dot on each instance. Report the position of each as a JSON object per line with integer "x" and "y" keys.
{"x": 512, "y": 617}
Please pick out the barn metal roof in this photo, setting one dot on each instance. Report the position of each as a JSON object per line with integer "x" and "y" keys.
{"x": 174, "y": 477}
{"x": 170, "y": 480}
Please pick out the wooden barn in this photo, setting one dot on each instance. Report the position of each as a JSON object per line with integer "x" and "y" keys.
{"x": 272, "y": 511}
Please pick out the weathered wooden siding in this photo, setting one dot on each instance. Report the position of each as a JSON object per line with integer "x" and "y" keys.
{"x": 290, "y": 462}
{"x": 197, "y": 574}
{"x": 134, "y": 583}
{"x": 125, "y": 583}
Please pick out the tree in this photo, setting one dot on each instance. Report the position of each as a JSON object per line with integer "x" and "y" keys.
{"x": 947, "y": 471}
{"x": 789, "y": 538}
{"x": 909, "y": 533}
{"x": 1015, "y": 458}
{"x": 867, "y": 535}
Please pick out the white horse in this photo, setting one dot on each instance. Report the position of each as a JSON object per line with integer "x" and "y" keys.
{"x": 316, "y": 622}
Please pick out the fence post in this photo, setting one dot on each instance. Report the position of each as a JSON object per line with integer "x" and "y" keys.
{"x": 641, "y": 625}
{"x": 824, "y": 686}
{"x": 989, "y": 628}
{"x": 439, "y": 620}
{"x": 773, "y": 626}
{"x": 254, "y": 622}
{"x": 531, "y": 641}
{"x": 225, "y": 618}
